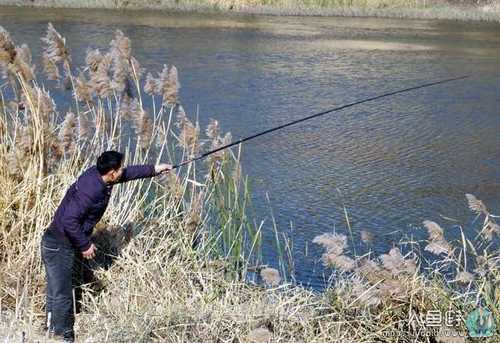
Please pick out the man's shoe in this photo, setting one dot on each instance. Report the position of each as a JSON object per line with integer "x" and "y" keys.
{"x": 62, "y": 338}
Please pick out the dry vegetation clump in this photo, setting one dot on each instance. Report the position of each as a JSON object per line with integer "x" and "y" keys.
{"x": 176, "y": 253}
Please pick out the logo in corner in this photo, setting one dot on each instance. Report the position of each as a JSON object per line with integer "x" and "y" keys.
{"x": 480, "y": 323}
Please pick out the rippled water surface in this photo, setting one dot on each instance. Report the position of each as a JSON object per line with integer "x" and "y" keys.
{"x": 391, "y": 163}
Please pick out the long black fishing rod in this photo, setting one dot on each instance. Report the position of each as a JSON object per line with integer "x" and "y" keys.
{"x": 335, "y": 109}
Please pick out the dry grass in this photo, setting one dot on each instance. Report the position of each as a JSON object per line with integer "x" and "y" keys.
{"x": 154, "y": 285}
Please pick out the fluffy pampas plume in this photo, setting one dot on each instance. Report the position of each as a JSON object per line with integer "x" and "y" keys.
{"x": 270, "y": 276}
{"x": 55, "y": 45}
{"x": 83, "y": 92}
{"x": 169, "y": 85}
{"x": 464, "y": 277}
{"x": 152, "y": 85}
{"x": 7, "y": 52}
{"x": 437, "y": 243}
{"x": 476, "y": 205}
{"x": 367, "y": 237}
{"x": 189, "y": 133}
{"x": 14, "y": 60}
{"x": 99, "y": 68}
{"x": 55, "y": 52}
{"x": 395, "y": 263}
{"x": 120, "y": 55}
{"x": 67, "y": 133}
{"x": 195, "y": 211}
{"x": 335, "y": 245}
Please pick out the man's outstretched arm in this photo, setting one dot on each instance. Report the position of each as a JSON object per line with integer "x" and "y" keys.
{"x": 142, "y": 171}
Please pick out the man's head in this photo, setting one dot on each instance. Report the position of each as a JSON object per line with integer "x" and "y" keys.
{"x": 109, "y": 165}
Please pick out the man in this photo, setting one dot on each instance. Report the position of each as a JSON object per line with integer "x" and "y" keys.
{"x": 68, "y": 238}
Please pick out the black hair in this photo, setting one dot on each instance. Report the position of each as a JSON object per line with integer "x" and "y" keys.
{"x": 109, "y": 160}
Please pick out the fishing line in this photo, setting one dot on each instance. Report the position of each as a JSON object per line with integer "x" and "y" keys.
{"x": 335, "y": 109}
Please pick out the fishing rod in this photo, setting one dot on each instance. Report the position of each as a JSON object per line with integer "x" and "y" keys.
{"x": 335, "y": 109}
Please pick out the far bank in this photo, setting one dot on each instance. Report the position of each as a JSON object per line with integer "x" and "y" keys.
{"x": 409, "y": 9}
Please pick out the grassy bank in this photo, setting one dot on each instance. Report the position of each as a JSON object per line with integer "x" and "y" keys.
{"x": 179, "y": 259}
{"x": 488, "y": 10}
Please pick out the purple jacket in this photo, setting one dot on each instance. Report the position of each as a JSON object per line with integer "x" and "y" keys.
{"x": 85, "y": 202}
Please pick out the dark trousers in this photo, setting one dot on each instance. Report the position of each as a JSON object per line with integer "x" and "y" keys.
{"x": 66, "y": 271}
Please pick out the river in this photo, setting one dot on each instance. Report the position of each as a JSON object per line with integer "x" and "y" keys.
{"x": 391, "y": 163}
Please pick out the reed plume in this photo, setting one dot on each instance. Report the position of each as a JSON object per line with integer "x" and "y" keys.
{"x": 56, "y": 53}
{"x": 67, "y": 133}
{"x": 93, "y": 58}
{"x": 434, "y": 230}
{"x": 152, "y": 85}
{"x": 396, "y": 264}
{"x": 84, "y": 126}
{"x": 141, "y": 123}
{"x": 439, "y": 247}
{"x": 127, "y": 108}
{"x": 368, "y": 296}
{"x": 490, "y": 229}
{"x": 193, "y": 219}
{"x": 25, "y": 141}
{"x": 237, "y": 172}
{"x": 388, "y": 279}
{"x": 437, "y": 243}
{"x": 24, "y": 53}
{"x": 14, "y": 60}
{"x": 82, "y": 92}
{"x": 341, "y": 262}
{"x": 23, "y": 63}
{"x": 120, "y": 55}
{"x": 99, "y": 69}
{"x": 213, "y": 129}
{"x": 213, "y": 132}
{"x": 486, "y": 264}
{"x": 173, "y": 186}
{"x": 169, "y": 86}
{"x": 270, "y": 276}
{"x": 371, "y": 270}
{"x": 39, "y": 101}
{"x": 55, "y": 45}
{"x": 7, "y": 51}
{"x": 367, "y": 237}
{"x": 50, "y": 68}
{"x": 333, "y": 243}
{"x": 476, "y": 205}
{"x": 464, "y": 277}
{"x": 136, "y": 69}
{"x": 13, "y": 167}
{"x": 189, "y": 133}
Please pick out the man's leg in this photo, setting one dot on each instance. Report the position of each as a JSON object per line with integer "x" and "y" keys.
{"x": 48, "y": 289}
{"x": 82, "y": 275}
{"x": 78, "y": 281}
{"x": 58, "y": 260}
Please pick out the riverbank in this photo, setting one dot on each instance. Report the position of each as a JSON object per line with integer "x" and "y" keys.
{"x": 408, "y": 9}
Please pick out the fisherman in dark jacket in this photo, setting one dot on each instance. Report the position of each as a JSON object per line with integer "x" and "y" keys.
{"x": 68, "y": 238}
